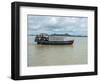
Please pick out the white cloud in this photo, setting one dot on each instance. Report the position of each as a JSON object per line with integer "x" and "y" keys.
{"x": 57, "y": 24}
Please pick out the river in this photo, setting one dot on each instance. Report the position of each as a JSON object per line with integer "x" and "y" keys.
{"x": 51, "y": 55}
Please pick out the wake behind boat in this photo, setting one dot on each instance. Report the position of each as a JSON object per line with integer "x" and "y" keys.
{"x": 46, "y": 40}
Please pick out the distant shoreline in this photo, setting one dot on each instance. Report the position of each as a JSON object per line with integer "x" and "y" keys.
{"x": 63, "y": 35}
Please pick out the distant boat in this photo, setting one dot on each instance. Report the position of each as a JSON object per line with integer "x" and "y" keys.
{"x": 44, "y": 39}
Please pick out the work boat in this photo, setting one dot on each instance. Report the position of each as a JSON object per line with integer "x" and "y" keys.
{"x": 45, "y": 39}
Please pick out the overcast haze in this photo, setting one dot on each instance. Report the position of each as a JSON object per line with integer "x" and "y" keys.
{"x": 57, "y": 25}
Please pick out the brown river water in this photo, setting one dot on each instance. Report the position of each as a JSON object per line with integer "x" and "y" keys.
{"x": 51, "y": 55}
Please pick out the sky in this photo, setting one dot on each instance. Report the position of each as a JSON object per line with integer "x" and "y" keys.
{"x": 57, "y": 25}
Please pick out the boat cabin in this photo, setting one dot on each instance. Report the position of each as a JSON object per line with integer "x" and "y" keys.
{"x": 41, "y": 37}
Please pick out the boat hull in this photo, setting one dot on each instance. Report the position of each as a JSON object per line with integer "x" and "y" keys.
{"x": 56, "y": 42}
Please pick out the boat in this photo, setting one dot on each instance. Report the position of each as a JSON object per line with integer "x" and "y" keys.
{"x": 44, "y": 40}
{"x": 69, "y": 42}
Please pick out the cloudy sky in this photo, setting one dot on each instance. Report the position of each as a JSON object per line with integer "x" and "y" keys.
{"x": 57, "y": 24}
